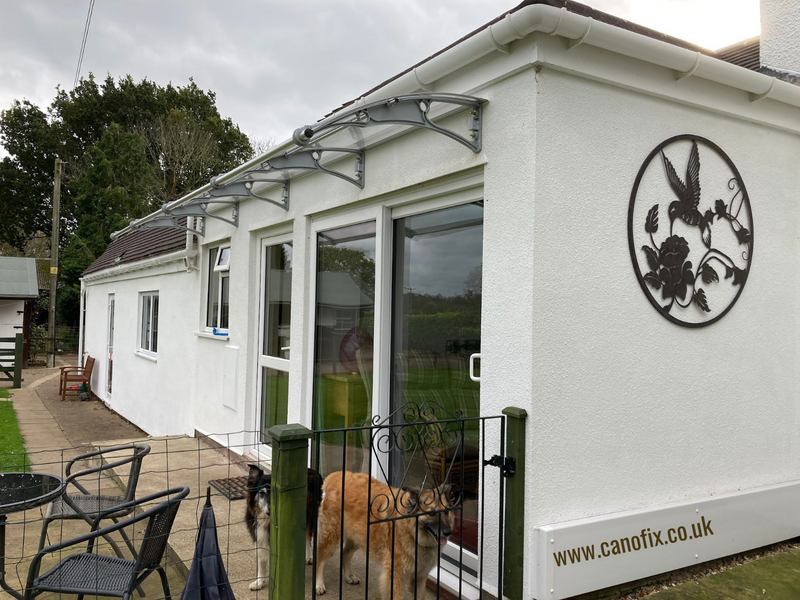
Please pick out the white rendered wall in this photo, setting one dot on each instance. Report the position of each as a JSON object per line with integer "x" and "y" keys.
{"x": 780, "y": 34}
{"x": 629, "y": 410}
{"x": 155, "y": 395}
{"x": 11, "y": 317}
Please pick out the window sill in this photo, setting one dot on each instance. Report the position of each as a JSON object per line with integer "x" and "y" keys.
{"x": 211, "y": 336}
{"x": 150, "y": 357}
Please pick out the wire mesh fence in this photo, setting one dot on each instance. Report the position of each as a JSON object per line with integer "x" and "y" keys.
{"x": 43, "y": 345}
{"x": 103, "y": 532}
{"x": 99, "y": 482}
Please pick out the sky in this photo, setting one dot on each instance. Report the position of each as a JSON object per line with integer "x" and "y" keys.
{"x": 277, "y": 65}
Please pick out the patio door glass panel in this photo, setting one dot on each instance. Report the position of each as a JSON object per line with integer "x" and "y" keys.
{"x": 345, "y": 311}
{"x": 436, "y": 322}
{"x": 275, "y": 342}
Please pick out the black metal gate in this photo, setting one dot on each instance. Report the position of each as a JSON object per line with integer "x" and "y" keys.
{"x": 419, "y": 493}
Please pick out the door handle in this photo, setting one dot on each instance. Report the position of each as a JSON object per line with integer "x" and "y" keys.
{"x": 472, "y": 367}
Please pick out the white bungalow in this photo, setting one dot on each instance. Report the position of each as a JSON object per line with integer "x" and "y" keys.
{"x": 567, "y": 194}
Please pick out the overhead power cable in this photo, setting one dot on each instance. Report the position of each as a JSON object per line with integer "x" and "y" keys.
{"x": 83, "y": 43}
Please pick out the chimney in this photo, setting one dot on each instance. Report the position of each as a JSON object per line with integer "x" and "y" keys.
{"x": 780, "y": 35}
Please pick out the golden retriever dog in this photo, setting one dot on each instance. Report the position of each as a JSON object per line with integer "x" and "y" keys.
{"x": 422, "y": 534}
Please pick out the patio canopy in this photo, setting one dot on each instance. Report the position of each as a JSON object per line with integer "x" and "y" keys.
{"x": 331, "y": 146}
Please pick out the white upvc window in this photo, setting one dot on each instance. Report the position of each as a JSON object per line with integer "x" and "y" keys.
{"x": 218, "y": 298}
{"x": 148, "y": 325}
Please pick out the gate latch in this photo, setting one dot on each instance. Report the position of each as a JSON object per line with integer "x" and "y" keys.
{"x": 507, "y": 465}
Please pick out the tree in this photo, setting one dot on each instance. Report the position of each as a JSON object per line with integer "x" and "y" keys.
{"x": 128, "y": 147}
{"x": 355, "y": 261}
{"x": 261, "y": 145}
{"x": 28, "y": 137}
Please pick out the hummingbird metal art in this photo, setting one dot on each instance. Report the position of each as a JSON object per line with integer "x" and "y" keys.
{"x": 688, "y": 193}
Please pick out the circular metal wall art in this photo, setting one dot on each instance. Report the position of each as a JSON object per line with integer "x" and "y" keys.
{"x": 691, "y": 244}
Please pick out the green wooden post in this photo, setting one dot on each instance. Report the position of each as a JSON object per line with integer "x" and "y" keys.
{"x": 20, "y": 340}
{"x": 287, "y": 561}
{"x": 513, "y": 538}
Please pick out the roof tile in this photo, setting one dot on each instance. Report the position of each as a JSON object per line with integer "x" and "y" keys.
{"x": 138, "y": 245}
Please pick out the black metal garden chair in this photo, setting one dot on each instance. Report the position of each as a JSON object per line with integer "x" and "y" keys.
{"x": 100, "y": 575}
{"x": 86, "y": 505}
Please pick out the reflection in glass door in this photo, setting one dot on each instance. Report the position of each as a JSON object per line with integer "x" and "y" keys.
{"x": 273, "y": 360}
{"x": 345, "y": 312}
{"x": 436, "y": 327}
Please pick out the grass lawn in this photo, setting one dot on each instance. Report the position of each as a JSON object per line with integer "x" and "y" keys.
{"x": 12, "y": 448}
{"x": 4, "y": 393}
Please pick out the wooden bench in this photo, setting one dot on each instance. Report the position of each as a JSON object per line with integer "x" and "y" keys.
{"x": 11, "y": 368}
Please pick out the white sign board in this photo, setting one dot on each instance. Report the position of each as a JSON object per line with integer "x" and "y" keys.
{"x": 591, "y": 554}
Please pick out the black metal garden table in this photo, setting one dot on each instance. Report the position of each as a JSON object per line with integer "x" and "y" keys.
{"x": 18, "y": 492}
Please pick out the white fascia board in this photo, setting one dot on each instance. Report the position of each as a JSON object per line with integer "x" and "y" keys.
{"x": 139, "y": 265}
{"x": 576, "y": 30}
{"x": 629, "y": 73}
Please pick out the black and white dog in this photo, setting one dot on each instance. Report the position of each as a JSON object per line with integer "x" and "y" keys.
{"x": 259, "y": 490}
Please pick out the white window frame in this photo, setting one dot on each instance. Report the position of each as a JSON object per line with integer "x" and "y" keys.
{"x": 263, "y": 451}
{"x": 219, "y": 271}
{"x": 218, "y": 264}
{"x": 146, "y": 338}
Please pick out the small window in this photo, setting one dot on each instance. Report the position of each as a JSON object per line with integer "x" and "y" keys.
{"x": 218, "y": 300}
{"x": 148, "y": 338}
{"x": 343, "y": 324}
{"x": 223, "y": 258}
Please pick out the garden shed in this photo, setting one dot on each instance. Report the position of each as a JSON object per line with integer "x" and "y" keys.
{"x": 562, "y": 204}
{"x": 19, "y": 288}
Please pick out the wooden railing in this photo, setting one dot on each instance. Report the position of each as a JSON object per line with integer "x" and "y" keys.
{"x": 12, "y": 372}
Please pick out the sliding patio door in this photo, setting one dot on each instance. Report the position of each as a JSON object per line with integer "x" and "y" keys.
{"x": 274, "y": 354}
{"x": 436, "y": 333}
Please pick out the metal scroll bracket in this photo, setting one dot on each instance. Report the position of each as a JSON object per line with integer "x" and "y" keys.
{"x": 311, "y": 159}
{"x": 171, "y": 217}
{"x": 170, "y": 222}
{"x": 243, "y": 188}
{"x": 413, "y": 110}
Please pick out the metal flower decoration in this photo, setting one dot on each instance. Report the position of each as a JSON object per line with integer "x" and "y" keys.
{"x": 693, "y": 267}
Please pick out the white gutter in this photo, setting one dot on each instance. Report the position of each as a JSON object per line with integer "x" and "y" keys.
{"x": 552, "y": 21}
{"x": 139, "y": 265}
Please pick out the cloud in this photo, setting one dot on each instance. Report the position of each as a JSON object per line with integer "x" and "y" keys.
{"x": 274, "y": 65}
